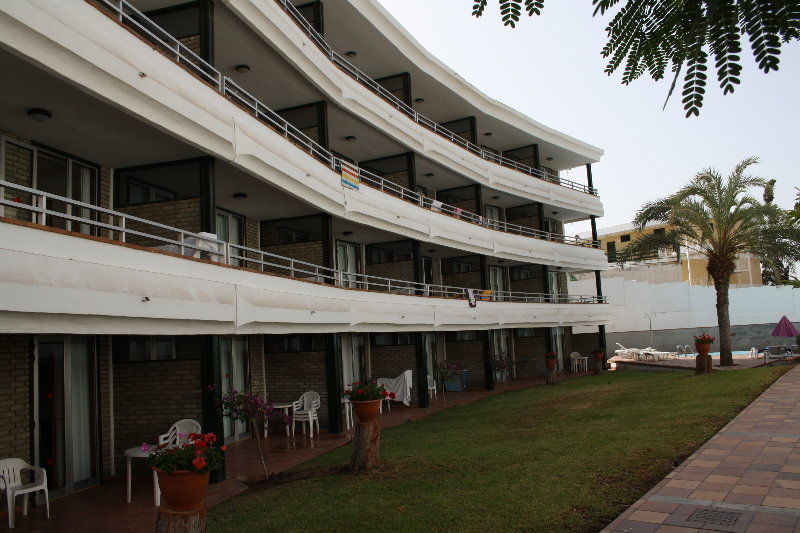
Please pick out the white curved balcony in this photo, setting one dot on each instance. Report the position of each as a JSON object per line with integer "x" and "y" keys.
{"x": 76, "y": 283}
{"x": 225, "y": 120}
{"x": 277, "y": 22}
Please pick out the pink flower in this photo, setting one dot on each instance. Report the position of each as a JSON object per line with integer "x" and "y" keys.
{"x": 145, "y": 447}
{"x": 181, "y": 435}
{"x": 199, "y": 463}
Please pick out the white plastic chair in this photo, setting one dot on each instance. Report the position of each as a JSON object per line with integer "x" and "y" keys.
{"x": 178, "y": 434}
{"x": 431, "y": 386}
{"x": 690, "y": 350}
{"x": 11, "y": 482}
{"x": 679, "y": 350}
{"x": 753, "y": 353}
{"x": 305, "y": 410}
{"x": 576, "y": 361}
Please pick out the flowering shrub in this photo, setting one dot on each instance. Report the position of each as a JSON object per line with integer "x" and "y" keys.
{"x": 197, "y": 455}
{"x": 704, "y": 338}
{"x": 500, "y": 363}
{"x": 453, "y": 370}
{"x": 366, "y": 392}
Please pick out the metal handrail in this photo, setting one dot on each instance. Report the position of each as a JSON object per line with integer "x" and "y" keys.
{"x": 118, "y": 226}
{"x": 411, "y": 113}
{"x": 183, "y": 55}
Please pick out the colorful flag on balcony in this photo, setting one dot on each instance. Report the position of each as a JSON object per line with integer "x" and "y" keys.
{"x": 350, "y": 176}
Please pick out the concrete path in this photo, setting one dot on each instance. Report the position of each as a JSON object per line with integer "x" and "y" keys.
{"x": 745, "y": 479}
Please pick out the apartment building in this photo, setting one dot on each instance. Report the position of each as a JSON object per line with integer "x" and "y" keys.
{"x": 211, "y": 195}
{"x": 666, "y": 266}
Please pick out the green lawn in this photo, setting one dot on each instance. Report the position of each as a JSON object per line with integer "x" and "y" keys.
{"x": 563, "y": 458}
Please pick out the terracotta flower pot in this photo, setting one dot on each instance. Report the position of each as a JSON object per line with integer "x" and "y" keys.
{"x": 367, "y": 412}
{"x": 703, "y": 348}
{"x": 183, "y": 490}
{"x": 551, "y": 363}
{"x": 599, "y": 356}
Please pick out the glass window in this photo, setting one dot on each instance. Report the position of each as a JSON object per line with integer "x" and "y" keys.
{"x": 625, "y": 238}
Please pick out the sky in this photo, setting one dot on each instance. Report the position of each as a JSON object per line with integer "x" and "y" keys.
{"x": 550, "y": 68}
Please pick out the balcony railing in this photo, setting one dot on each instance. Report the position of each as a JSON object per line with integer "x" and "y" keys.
{"x": 176, "y": 50}
{"x": 49, "y": 209}
{"x": 355, "y": 73}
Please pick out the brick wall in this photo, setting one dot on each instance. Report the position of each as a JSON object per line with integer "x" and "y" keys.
{"x": 310, "y": 252}
{"x": 436, "y": 265}
{"x": 395, "y": 270}
{"x": 529, "y": 354}
{"x": 255, "y": 345}
{"x": 471, "y": 355}
{"x": 463, "y": 279}
{"x": 398, "y": 178}
{"x": 192, "y": 42}
{"x": 151, "y": 396}
{"x": 182, "y": 214}
{"x": 467, "y": 205}
{"x": 391, "y": 361}
{"x": 19, "y": 170}
{"x": 15, "y": 396}
{"x": 528, "y": 222}
{"x": 289, "y": 375}
{"x": 527, "y": 285}
{"x": 441, "y": 350}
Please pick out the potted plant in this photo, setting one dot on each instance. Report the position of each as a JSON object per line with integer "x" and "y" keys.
{"x": 366, "y": 399}
{"x": 703, "y": 344}
{"x": 183, "y": 470}
{"x": 550, "y": 360}
{"x": 501, "y": 367}
{"x": 453, "y": 377}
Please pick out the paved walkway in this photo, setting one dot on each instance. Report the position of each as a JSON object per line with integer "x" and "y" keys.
{"x": 745, "y": 479}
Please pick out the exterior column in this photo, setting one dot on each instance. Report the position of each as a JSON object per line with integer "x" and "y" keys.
{"x": 488, "y": 364}
{"x": 422, "y": 372}
{"x": 333, "y": 370}
{"x": 206, "y": 8}
{"x": 328, "y": 242}
{"x": 208, "y": 200}
{"x": 601, "y": 329}
{"x": 211, "y": 378}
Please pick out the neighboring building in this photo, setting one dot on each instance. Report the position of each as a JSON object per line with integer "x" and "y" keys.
{"x": 213, "y": 193}
{"x": 668, "y": 266}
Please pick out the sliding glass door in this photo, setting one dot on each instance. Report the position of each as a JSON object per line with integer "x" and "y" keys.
{"x": 65, "y": 411}
{"x": 352, "y": 359}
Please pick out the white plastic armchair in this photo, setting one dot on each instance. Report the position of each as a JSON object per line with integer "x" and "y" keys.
{"x": 431, "y": 386}
{"x": 305, "y": 410}
{"x": 178, "y": 434}
{"x": 13, "y": 484}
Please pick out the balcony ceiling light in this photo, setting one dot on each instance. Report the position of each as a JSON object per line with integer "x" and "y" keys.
{"x": 549, "y": 158}
{"x": 350, "y": 138}
{"x": 240, "y": 195}
{"x": 429, "y": 175}
{"x": 347, "y": 233}
{"x": 488, "y": 134}
{"x": 555, "y": 212}
{"x": 419, "y": 100}
{"x": 431, "y": 250}
{"x": 39, "y": 115}
{"x": 351, "y": 53}
{"x": 495, "y": 197}
{"x": 242, "y": 68}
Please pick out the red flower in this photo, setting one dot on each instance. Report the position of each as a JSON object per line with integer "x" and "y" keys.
{"x": 384, "y": 394}
{"x": 223, "y": 447}
{"x": 392, "y": 395}
{"x": 199, "y": 463}
{"x": 360, "y": 391}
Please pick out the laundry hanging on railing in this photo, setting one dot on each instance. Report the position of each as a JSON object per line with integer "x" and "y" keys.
{"x": 471, "y": 298}
{"x": 350, "y": 176}
{"x": 436, "y": 205}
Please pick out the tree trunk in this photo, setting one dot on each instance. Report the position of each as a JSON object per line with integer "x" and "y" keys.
{"x": 723, "y": 321}
{"x": 366, "y": 446}
{"x": 168, "y": 521}
{"x": 551, "y": 376}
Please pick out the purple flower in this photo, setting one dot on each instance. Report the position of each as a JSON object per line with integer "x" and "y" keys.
{"x": 211, "y": 388}
{"x": 145, "y": 447}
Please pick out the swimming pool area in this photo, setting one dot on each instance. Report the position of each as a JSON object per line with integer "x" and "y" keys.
{"x": 735, "y": 352}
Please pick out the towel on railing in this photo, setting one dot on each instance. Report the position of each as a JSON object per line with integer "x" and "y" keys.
{"x": 471, "y": 298}
{"x": 436, "y": 205}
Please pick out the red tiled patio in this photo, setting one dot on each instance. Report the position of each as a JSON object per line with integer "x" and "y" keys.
{"x": 745, "y": 479}
{"x": 103, "y": 507}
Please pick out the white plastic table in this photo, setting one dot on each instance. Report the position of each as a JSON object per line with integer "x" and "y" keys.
{"x": 137, "y": 453}
{"x": 285, "y": 408}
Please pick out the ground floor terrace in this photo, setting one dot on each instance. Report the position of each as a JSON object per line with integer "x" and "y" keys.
{"x": 74, "y": 404}
{"x": 104, "y": 505}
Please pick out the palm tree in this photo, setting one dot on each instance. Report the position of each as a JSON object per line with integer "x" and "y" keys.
{"x": 717, "y": 218}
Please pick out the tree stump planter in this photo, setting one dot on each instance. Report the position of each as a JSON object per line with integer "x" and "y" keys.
{"x": 367, "y": 438}
{"x": 703, "y": 362}
{"x": 168, "y": 521}
{"x": 599, "y": 362}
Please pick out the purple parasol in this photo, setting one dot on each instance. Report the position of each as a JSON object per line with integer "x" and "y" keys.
{"x": 784, "y": 329}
